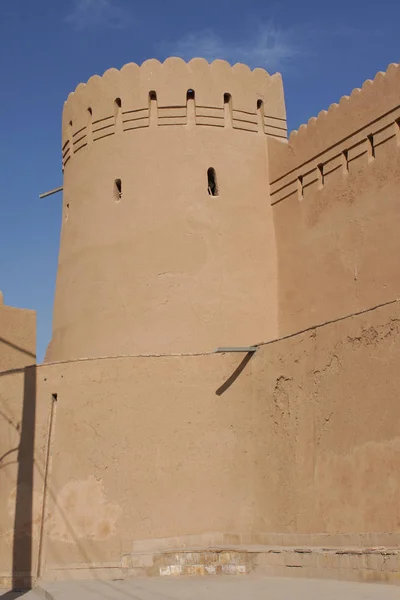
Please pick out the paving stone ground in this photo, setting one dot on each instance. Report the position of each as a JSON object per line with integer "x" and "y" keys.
{"x": 218, "y": 588}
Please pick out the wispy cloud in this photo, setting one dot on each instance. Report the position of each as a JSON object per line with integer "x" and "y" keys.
{"x": 97, "y": 13}
{"x": 268, "y": 46}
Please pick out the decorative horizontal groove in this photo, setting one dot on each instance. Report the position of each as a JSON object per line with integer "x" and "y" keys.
{"x": 65, "y": 145}
{"x": 79, "y": 139}
{"x": 102, "y": 128}
{"x": 327, "y": 173}
{"x": 285, "y": 197}
{"x": 170, "y": 124}
{"x": 244, "y": 112}
{"x": 65, "y": 152}
{"x": 275, "y": 127}
{"x": 80, "y": 147}
{"x": 275, "y": 118}
{"x": 212, "y": 117}
{"x": 166, "y": 117}
{"x": 291, "y": 182}
{"x": 103, "y": 119}
{"x": 138, "y": 118}
{"x": 333, "y": 164}
{"x": 245, "y": 119}
{"x": 134, "y": 110}
{"x": 243, "y": 128}
{"x": 282, "y": 137}
{"x": 66, "y": 160}
{"x": 103, "y": 136}
{"x": 210, "y": 112}
{"x": 173, "y": 111}
{"x": 209, "y": 107}
{"x": 79, "y": 131}
{"x": 383, "y": 141}
{"x": 204, "y": 124}
{"x": 138, "y": 126}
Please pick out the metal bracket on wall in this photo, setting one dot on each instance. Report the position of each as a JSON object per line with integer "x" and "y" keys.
{"x": 51, "y": 192}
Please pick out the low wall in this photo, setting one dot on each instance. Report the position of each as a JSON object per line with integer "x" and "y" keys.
{"x": 17, "y": 337}
{"x": 338, "y": 241}
{"x": 299, "y": 445}
{"x": 335, "y": 197}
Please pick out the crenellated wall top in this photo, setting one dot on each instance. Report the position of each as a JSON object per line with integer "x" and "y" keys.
{"x": 171, "y": 81}
{"x": 334, "y": 127}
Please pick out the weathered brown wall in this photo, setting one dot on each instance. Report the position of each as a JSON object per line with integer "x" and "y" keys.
{"x": 326, "y": 427}
{"x": 306, "y": 440}
{"x": 17, "y": 337}
{"x": 336, "y": 205}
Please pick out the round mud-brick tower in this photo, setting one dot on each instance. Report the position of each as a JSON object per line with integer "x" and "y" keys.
{"x": 167, "y": 241}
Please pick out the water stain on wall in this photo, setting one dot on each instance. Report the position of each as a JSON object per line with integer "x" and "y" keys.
{"x": 82, "y": 511}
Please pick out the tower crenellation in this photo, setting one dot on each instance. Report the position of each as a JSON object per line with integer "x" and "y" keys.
{"x": 162, "y": 94}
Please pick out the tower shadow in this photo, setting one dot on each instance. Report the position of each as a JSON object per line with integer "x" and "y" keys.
{"x": 22, "y": 576}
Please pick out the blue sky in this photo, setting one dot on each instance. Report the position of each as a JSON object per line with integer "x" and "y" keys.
{"x": 323, "y": 50}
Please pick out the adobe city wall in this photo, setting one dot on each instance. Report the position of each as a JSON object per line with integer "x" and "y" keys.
{"x": 335, "y": 196}
{"x": 17, "y": 337}
{"x": 300, "y": 446}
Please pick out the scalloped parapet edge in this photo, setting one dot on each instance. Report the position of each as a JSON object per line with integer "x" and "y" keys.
{"x": 93, "y": 106}
{"x": 332, "y": 128}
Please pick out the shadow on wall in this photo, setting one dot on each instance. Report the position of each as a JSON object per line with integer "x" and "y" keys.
{"x": 225, "y": 386}
{"x": 22, "y": 579}
{"x": 22, "y": 547}
{"x": 7, "y": 343}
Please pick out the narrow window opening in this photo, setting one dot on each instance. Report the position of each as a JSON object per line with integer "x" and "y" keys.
{"x": 260, "y": 113}
{"x": 153, "y": 109}
{"x": 70, "y": 123}
{"x": 346, "y": 160}
{"x": 118, "y": 102}
{"x": 54, "y": 397}
{"x": 117, "y": 189}
{"x": 371, "y": 144}
{"x": 190, "y": 108}
{"x": 212, "y": 186}
{"x": 300, "y": 186}
{"x": 228, "y": 110}
{"x": 321, "y": 174}
{"x": 90, "y": 111}
{"x": 66, "y": 212}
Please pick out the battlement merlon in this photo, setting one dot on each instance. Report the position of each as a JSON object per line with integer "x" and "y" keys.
{"x": 368, "y": 111}
{"x": 95, "y": 101}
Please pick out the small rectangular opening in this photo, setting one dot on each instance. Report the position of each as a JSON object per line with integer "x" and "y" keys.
{"x": 346, "y": 160}
{"x": 212, "y": 182}
{"x": 321, "y": 174}
{"x": 372, "y": 148}
{"x": 300, "y": 186}
{"x": 54, "y": 397}
{"x": 117, "y": 189}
